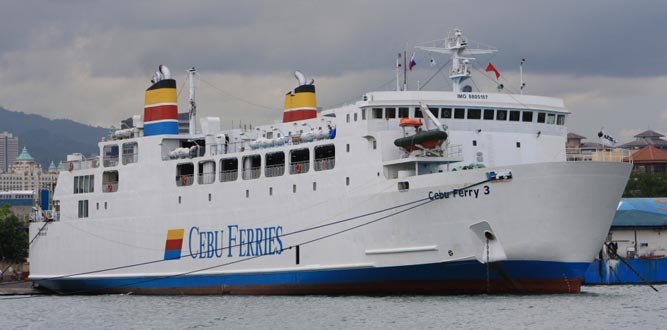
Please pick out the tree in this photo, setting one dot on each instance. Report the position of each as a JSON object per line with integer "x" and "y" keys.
{"x": 13, "y": 237}
{"x": 646, "y": 185}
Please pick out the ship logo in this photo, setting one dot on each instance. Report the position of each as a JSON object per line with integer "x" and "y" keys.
{"x": 172, "y": 249}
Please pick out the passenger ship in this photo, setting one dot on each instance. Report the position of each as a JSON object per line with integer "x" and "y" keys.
{"x": 402, "y": 192}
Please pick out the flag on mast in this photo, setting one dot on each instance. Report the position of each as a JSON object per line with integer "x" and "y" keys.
{"x": 490, "y": 68}
{"x": 412, "y": 61}
{"x": 606, "y": 139}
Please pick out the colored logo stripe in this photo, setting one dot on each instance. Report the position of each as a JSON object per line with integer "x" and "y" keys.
{"x": 160, "y": 112}
{"x": 161, "y": 127}
{"x": 162, "y": 95}
{"x": 174, "y": 244}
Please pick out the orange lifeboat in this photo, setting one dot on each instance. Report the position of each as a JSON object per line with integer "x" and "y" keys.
{"x": 410, "y": 122}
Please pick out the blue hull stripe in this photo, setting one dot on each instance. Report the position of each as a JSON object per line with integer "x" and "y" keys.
{"x": 452, "y": 271}
{"x": 653, "y": 270}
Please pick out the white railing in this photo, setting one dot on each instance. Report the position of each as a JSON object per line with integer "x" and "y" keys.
{"x": 184, "y": 180}
{"x": 251, "y": 173}
{"x": 206, "y": 178}
{"x": 598, "y": 155}
{"x": 325, "y": 164}
{"x": 226, "y": 176}
{"x": 299, "y": 167}
{"x": 274, "y": 170}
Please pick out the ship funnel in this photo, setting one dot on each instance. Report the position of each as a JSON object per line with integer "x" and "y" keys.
{"x": 301, "y": 103}
{"x": 161, "y": 105}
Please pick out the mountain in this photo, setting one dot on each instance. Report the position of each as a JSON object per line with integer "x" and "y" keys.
{"x": 51, "y": 139}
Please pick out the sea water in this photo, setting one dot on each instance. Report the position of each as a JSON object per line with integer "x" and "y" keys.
{"x": 599, "y": 307}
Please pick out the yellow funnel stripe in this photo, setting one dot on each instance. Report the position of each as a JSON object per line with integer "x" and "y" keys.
{"x": 162, "y": 95}
{"x": 175, "y": 234}
{"x": 300, "y": 100}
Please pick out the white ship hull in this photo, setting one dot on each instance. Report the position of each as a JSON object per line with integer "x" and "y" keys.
{"x": 548, "y": 223}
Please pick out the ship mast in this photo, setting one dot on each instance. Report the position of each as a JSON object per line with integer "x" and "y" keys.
{"x": 193, "y": 105}
{"x": 457, "y": 46}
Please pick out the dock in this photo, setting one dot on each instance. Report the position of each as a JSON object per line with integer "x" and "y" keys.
{"x": 19, "y": 288}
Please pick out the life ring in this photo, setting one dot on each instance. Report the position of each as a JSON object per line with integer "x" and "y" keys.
{"x": 184, "y": 180}
{"x": 110, "y": 187}
{"x": 298, "y": 168}
{"x": 71, "y": 167}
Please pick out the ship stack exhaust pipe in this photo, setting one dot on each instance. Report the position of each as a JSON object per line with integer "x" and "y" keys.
{"x": 161, "y": 105}
{"x": 301, "y": 103}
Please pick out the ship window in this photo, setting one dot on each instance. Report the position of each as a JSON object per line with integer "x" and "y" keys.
{"x": 270, "y": 191}
{"x": 84, "y": 184}
{"x": 130, "y": 153}
{"x": 247, "y": 193}
{"x": 541, "y": 117}
{"x": 83, "y": 208}
{"x": 105, "y": 205}
{"x": 110, "y": 181}
{"x": 206, "y": 172}
{"x": 294, "y": 188}
{"x": 355, "y": 116}
{"x": 314, "y": 186}
{"x": 325, "y": 157}
{"x": 110, "y": 155}
{"x": 551, "y": 118}
{"x": 185, "y": 174}
{"x": 434, "y": 111}
{"x": 209, "y": 197}
{"x": 377, "y": 113}
{"x": 403, "y": 186}
{"x": 275, "y": 164}
{"x": 229, "y": 169}
{"x": 252, "y": 167}
{"x": 488, "y": 114}
{"x": 179, "y": 199}
{"x": 347, "y": 181}
{"x": 403, "y": 113}
{"x": 97, "y": 206}
{"x": 459, "y": 113}
{"x": 527, "y": 116}
{"x": 363, "y": 114}
{"x": 347, "y": 118}
{"x": 446, "y": 113}
{"x": 474, "y": 114}
{"x": 418, "y": 113}
{"x": 514, "y": 115}
{"x": 347, "y": 147}
{"x": 561, "y": 120}
{"x": 474, "y": 143}
{"x": 518, "y": 144}
{"x": 501, "y": 115}
{"x": 390, "y": 113}
{"x": 299, "y": 161}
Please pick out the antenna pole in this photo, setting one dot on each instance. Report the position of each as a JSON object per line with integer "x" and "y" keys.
{"x": 521, "y": 75}
{"x": 193, "y": 105}
{"x": 405, "y": 70}
{"x": 398, "y": 73}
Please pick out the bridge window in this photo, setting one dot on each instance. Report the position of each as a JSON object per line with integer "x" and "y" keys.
{"x": 390, "y": 113}
{"x": 418, "y": 113}
{"x": 501, "y": 115}
{"x": 541, "y": 117}
{"x": 488, "y": 114}
{"x": 561, "y": 120}
{"x": 110, "y": 155}
{"x": 363, "y": 114}
{"x": 130, "y": 153}
{"x": 434, "y": 111}
{"x": 377, "y": 113}
{"x": 403, "y": 113}
{"x": 185, "y": 174}
{"x": 275, "y": 164}
{"x": 459, "y": 113}
{"x": 206, "y": 172}
{"x": 514, "y": 115}
{"x": 446, "y": 113}
{"x": 229, "y": 169}
{"x": 551, "y": 118}
{"x": 474, "y": 114}
{"x": 527, "y": 116}
{"x": 299, "y": 161}
{"x": 110, "y": 181}
{"x": 325, "y": 157}
{"x": 252, "y": 167}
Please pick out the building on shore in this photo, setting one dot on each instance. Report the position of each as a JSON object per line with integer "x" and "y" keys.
{"x": 27, "y": 175}
{"x": 646, "y": 138}
{"x": 9, "y": 150}
{"x": 21, "y": 203}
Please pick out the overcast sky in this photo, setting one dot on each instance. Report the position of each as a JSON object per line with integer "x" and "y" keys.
{"x": 90, "y": 61}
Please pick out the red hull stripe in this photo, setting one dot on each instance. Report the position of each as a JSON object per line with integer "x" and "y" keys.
{"x": 161, "y": 112}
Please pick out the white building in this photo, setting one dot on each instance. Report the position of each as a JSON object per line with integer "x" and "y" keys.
{"x": 9, "y": 150}
{"x": 27, "y": 175}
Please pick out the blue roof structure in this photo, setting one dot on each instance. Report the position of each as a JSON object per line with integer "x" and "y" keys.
{"x": 25, "y": 155}
{"x": 641, "y": 212}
